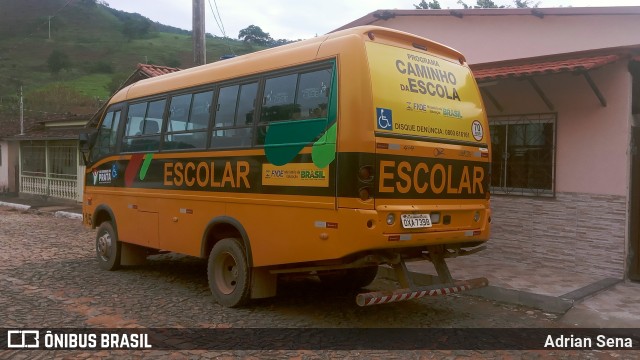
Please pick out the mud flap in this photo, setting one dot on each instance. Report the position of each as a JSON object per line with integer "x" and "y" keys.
{"x": 263, "y": 283}
{"x": 131, "y": 254}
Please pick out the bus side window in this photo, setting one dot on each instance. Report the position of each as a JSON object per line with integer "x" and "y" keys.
{"x": 143, "y": 126}
{"x": 188, "y": 121}
{"x": 279, "y": 96}
{"x": 233, "y": 125}
{"x": 295, "y": 97}
{"x": 313, "y": 94}
{"x": 107, "y": 136}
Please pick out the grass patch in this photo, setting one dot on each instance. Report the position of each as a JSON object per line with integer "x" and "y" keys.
{"x": 94, "y": 85}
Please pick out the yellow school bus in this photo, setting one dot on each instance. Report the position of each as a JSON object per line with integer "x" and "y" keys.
{"x": 327, "y": 157}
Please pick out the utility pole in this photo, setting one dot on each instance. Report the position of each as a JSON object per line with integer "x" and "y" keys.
{"x": 198, "y": 33}
{"x": 21, "y": 113}
{"x": 49, "y": 27}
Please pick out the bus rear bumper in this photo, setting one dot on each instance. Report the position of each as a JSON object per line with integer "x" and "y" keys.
{"x": 368, "y": 229}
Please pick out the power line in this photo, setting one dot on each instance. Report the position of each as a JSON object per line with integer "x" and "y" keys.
{"x": 220, "y": 24}
{"x": 220, "y": 17}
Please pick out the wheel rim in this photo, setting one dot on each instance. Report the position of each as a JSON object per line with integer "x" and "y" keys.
{"x": 226, "y": 273}
{"x": 104, "y": 247}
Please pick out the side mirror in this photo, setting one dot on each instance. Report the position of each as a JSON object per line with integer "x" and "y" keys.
{"x": 87, "y": 140}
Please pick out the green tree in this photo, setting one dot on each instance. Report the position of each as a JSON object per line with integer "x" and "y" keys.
{"x": 274, "y": 43}
{"x": 488, "y": 4}
{"x": 89, "y": 3}
{"x": 521, "y": 4}
{"x": 100, "y": 67}
{"x": 172, "y": 61}
{"x": 430, "y": 5}
{"x": 253, "y": 34}
{"x": 135, "y": 28}
{"x": 116, "y": 82}
{"x": 482, "y": 4}
{"x": 58, "y": 60}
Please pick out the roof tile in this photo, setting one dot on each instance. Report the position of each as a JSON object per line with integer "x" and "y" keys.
{"x": 156, "y": 70}
{"x": 544, "y": 68}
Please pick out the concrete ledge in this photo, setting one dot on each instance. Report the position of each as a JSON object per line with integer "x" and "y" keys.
{"x": 591, "y": 289}
{"x": 551, "y": 304}
{"x": 66, "y": 214}
{"x": 15, "y": 206}
{"x": 547, "y": 303}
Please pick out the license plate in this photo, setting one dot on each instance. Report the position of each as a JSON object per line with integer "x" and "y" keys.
{"x": 414, "y": 221}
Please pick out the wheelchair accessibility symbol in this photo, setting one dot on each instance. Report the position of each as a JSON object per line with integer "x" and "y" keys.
{"x": 385, "y": 119}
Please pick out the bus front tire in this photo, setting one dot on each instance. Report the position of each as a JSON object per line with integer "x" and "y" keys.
{"x": 108, "y": 248}
{"x": 228, "y": 273}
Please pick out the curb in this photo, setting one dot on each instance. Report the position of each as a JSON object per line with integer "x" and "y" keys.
{"x": 15, "y": 206}
{"x": 68, "y": 215}
{"x": 546, "y": 303}
{"x": 58, "y": 214}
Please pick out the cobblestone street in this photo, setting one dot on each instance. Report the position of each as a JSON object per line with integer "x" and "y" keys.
{"x": 49, "y": 279}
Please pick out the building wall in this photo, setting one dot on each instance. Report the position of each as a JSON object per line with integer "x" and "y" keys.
{"x": 4, "y": 181}
{"x": 488, "y": 38}
{"x": 573, "y": 231}
{"x": 592, "y": 145}
{"x": 583, "y": 228}
{"x": 8, "y": 162}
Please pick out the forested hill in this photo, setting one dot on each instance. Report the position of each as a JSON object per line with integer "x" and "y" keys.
{"x": 66, "y": 54}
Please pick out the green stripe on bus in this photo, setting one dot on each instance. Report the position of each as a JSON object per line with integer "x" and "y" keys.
{"x": 145, "y": 165}
{"x": 324, "y": 150}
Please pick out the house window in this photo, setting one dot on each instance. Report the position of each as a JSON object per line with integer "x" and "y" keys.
{"x": 62, "y": 159}
{"x": 34, "y": 158}
{"x": 523, "y": 158}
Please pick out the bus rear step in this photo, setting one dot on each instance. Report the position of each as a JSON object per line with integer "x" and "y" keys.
{"x": 409, "y": 290}
{"x": 383, "y": 297}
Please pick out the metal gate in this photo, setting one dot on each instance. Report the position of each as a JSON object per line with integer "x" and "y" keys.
{"x": 49, "y": 168}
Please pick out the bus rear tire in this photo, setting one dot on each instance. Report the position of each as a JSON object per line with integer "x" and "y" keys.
{"x": 228, "y": 273}
{"x": 108, "y": 247}
{"x": 349, "y": 279}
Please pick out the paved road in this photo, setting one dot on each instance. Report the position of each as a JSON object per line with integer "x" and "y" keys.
{"x": 49, "y": 278}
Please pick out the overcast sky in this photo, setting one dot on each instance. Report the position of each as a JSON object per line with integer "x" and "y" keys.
{"x": 297, "y": 19}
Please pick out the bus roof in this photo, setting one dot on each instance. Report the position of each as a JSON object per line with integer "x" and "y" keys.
{"x": 265, "y": 60}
